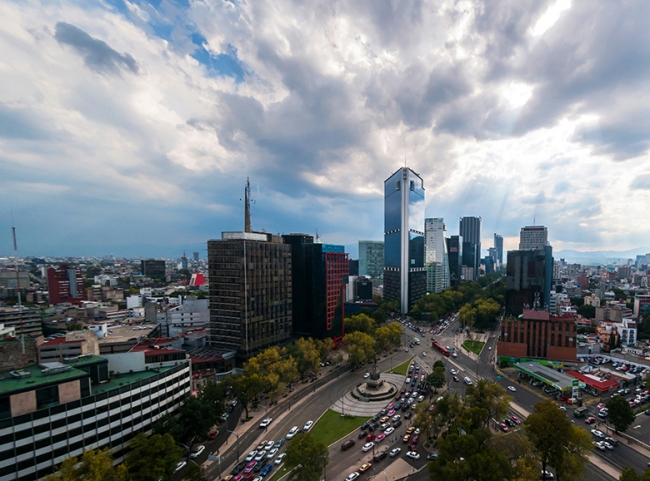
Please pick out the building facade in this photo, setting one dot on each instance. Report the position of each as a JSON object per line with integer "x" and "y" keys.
{"x": 250, "y": 292}
{"x": 532, "y": 238}
{"x": 529, "y": 276}
{"x": 65, "y": 284}
{"x": 153, "y": 268}
{"x": 435, "y": 251}
{"x": 405, "y": 277}
{"x": 455, "y": 255}
{"x": 25, "y": 320}
{"x": 538, "y": 334}
{"x": 371, "y": 259}
{"x": 498, "y": 245}
{"x": 470, "y": 231}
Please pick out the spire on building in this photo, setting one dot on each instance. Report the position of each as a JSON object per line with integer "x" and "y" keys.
{"x": 247, "y": 207}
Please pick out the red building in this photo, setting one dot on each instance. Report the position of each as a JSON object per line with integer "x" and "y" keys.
{"x": 336, "y": 270}
{"x": 65, "y": 284}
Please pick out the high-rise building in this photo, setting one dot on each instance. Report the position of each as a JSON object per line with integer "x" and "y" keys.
{"x": 455, "y": 254}
{"x": 498, "y": 245}
{"x": 250, "y": 292}
{"x": 532, "y": 238}
{"x": 318, "y": 273}
{"x": 529, "y": 276}
{"x": 353, "y": 265}
{"x": 405, "y": 277}
{"x": 153, "y": 268}
{"x": 435, "y": 251}
{"x": 470, "y": 231}
{"x": 65, "y": 284}
{"x": 371, "y": 259}
{"x": 196, "y": 257}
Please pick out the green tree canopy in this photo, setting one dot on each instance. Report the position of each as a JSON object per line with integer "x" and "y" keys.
{"x": 489, "y": 396}
{"x": 153, "y": 457}
{"x": 620, "y": 413}
{"x": 361, "y": 347}
{"x": 93, "y": 466}
{"x": 306, "y": 458}
{"x": 359, "y": 323}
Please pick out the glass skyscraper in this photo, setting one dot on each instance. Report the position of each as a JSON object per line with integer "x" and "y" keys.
{"x": 435, "y": 253}
{"x": 405, "y": 277}
{"x": 470, "y": 231}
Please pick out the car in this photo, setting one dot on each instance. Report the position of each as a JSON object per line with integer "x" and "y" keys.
{"x": 213, "y": 434}
{"x": 278, "y": 443}
{"x": 380, "y": 438}
{"x": 370, "y": 437}
{"x": 396, "y": 417}
{"x": 352, "y": 476}
{"x": 547, "y": 475}
{"x": 267, "y": 469}
{"x": 224, "y": 417}
{"x": 384, "y": 419}
{"x": 294, "y": 430}
{"x": 598, "y": 433}
{"x": 420, "y": 398}
{"x": 453, "y": 371}
{"x": 265, "y": 423}
{"x": 250, "y": 456}
{"x": 512, "y": 388}
{"x": 607, "y": 445}
{"x": 238, "y": 468}
{"x": 424, "y": 354}
{"x": 197, "y": 451}
{"x": 390, "y": 413}
{"x": 467, "y": 381}
{"x": 408, "y": 380}
{"x": 376, "y": 416}
{"x": 410, "y": 430}
{"x": 515, "y": 419}
{"x": 365, "y": 467}
{"x": 503, "y": 427}
{"x": 379, "y": 456}
{"x": 602, "y": 413}
{"x": 397, "y": 423}
{"x": 366, "y": 375}
{"x": 509, "y": 422}
{"x": 390, "y": 406}
{"x": 260, "y": 455}
{"x": 389, "y": 431}
{"x": 600, "y": 405}
{"x": 362, "y": 434}
{"x": 599, "y": 445}
{"x": 563, "y": 408}
{"x": 394, "y": 452}
{"x": 408, "y": 415}
{"x": 180, "y": 465}
{"x": 249, "y": 467}
{"x": 280, "y": 458}
{"x": 432, "y": 456}
{"x": 268, "y": 446}
{"x": 455, "y": 378}
{"x": 261, "y": 445}
{"x": 367, "y": 447}
{"x": 590, "y": 420}
{"x": 413, "y": 455}
{"x": 415, "y": 438}
{"x": 272, "y": 453}
{"x": 612, "y": 441}
{"x": 308, "y": 425}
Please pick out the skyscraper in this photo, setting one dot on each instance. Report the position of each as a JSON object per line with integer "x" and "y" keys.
{"x": 470, "y": 231}
{"x": 405, "y": 277}
{"x": 498, "y": 245}
{"x": 371, "y": 258}
{"x": 533, "y": 237}
{"x": 455, "y": 250}
{"x": 65, "y": 284}
{"x": 435, "y": 252}
{"x": 529, "y": 277}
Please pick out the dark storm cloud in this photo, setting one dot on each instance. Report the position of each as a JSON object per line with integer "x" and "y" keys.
{"x": 97, "y": 55}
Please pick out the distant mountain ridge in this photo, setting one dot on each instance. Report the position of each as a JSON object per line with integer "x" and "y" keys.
{"x": 582, "y": 257}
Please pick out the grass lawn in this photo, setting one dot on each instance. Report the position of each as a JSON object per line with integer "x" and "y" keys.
{"x": 474, "y": 346}
{"x": 401, "y": 369}
{"x": 331, "y": 427}
{"x": 279, "y": 473}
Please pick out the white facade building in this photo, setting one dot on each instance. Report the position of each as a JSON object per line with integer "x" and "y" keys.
{"x": 533, "y": 237}
{"x": 435, "y": 251}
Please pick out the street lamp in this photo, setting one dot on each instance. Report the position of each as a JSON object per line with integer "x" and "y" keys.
{"x": 237, "y": 443}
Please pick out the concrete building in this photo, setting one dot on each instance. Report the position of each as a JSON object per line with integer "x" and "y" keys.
{"x": 498, "y": 245}
{"x": 25, "y": 321}
{"x": 470, "y": 231}
{"x": 192, "y": 314}
{"x": 528, "y": 279}
{"x": 153, "y": 268}
{"x": 641, "y": 305}
{"x": 592, "y": 301}
{"x": 435, "y": 251}
{"x": 65, "y": 284}
{"x": 405, "y": 277}
{"x": 371, "y": 259}
{"x": 72, "y": 345}
{"x": 533, "y": 238}
{"x": 538, "y": 335}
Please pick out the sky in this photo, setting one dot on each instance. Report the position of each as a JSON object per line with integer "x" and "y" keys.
{"x": 130, "y": 127}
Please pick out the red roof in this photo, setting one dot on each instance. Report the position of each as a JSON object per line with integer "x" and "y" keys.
{"x": 603, "y": 385}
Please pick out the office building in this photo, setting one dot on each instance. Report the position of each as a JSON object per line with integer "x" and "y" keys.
{"x": 196, "y": 257}
{"x": 250, "y": 292}
{"x": 25, "y": 320}
{"x": 405, "y": 277}
{"x": 65, "y": 284}
{"x": 153, "y": 268}
{"x": 533, "y": 238}
{"x": 498, "y": 245}
{"x": 318, "y": 275}
{"x": 470, "y": 231}
{"x": 371, "y": 259}
{"x": 529, "y": 276}
{"x": 538, "y": 334}
{"x": 455, "y": 255}
{"x": 353, "y": 266}
{"x": 435, "y": 251}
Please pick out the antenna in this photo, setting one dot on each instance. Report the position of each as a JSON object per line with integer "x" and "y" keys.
{"x": 247, "y": 206}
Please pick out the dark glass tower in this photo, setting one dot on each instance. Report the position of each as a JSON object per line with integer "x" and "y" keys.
{"x": 405, "y": 277}
{"x": 498, "y": 245}
{"x": 455, "y": 253}
{"x": 470, "y": 231}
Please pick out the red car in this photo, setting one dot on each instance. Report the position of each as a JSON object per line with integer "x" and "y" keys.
{"x": 212, "y": 434}
{"x": 515, "y": 419}
{"x": 456, "y": 379}
{"x": 415, "y": 439}
{"x": 370, "y": 437}
{"x": 590, "y": 420}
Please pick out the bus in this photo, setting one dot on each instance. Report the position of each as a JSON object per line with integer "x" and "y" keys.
{"x": 440, "y": 348}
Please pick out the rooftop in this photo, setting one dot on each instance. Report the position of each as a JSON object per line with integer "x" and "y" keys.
{"x": 546, "y": 374}
{"x": 123, "y": 333}
{"x": 36, "y": 378}
{"x": 127, "y": 378}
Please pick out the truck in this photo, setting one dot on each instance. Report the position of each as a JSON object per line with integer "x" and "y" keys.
{"x": 580, "y": 412}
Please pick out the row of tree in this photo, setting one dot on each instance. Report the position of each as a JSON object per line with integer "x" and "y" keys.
{"x": 364, "y": 340}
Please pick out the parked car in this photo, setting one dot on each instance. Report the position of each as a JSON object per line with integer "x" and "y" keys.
{"x": 394, "y": 452}
{"x": 347, "y": 445}
{"x": 197, "y": 451}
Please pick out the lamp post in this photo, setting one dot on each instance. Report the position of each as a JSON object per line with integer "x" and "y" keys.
{"x": 237, "y": 442}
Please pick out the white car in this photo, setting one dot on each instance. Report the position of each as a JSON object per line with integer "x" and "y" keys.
{"x": 260, "y": 455}
{"x": 395, "y": 418}
{"x": 597, "y": 433}
{"x": 408, "y": 380}
{"x": 352, "y": 476}
{"x": 424, "y": 354}
{"x": 413, "y": 455}
{"x": 367, "y": 447}
{"x": 265, "y": 422}
{"x": 180, "y": 465}
{"x": 394, "y": 452}
{"x": 308, "y": 425}
{"x": 250, "y": 456}
{"x": 366, "y": 375}
{"x": 280, "y": 458}
{"x": 269, "y": 445}
{"x": 389, "y": 431}
{"x": 197, "y": 451}
{"x": 293, "y": 432}
{"x": 512, "y": 388}
{"x": 453, "y": 371}
{"x": 272, "y": 453}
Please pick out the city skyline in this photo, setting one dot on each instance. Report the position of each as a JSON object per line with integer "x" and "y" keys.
{"x": 130, "y": 128}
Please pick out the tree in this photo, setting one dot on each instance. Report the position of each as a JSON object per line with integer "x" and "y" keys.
{"x": 379, "y": 316}
{"x": 306, "y": 458}
{"x": 620, "y": 413}
{"x": 194, "y": 472}
{"x": 437, "y": 377}
{"x": 360, "y": 347}
{"x": 489, "y": 396}
{"x": 307, "y": 355}
{"x": 383, "y": 336}
{"x": 587, "y": 311}
{"x": 556, "y": 441}
{"x": 93, "y": 466}
{"x": 152, "y": 458}
{"x": 359, "y": 323}
{"x": 516, "y": 447}
{"x": 630, "y": 474}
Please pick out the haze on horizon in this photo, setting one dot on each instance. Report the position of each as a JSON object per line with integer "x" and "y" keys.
{"x": 130, "y": 127}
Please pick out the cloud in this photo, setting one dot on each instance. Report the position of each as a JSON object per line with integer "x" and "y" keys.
{"x": 97, "y": 55}
{"x": 642, "y": 182}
